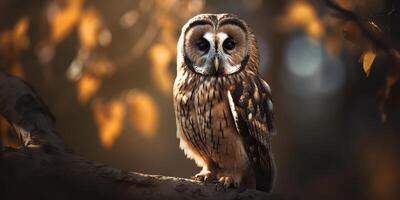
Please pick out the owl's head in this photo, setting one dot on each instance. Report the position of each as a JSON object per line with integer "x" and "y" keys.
{"x": 217, "y": 45}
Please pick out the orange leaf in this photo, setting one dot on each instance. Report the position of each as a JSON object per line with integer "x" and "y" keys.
{"x": 87, "y": 86}
{"x": 19, "y": 33}
{"x": 143, "y": 112}
{"x": 314, "y": 29}
{"x": 301, "y": 14}
{"x": 89, "y": 27}
{"x": 12, "y": 41}
{"x": 62, "y": 20}
{"x": 160, "y": 57}
{"x": 109, "y": 118}
{"x": 368, "y": 58}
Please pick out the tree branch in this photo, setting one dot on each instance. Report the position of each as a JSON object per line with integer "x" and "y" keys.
{"x": 44, "y": 169}
{"x": 29, "y": 116}
{"x": 377, "y": 38}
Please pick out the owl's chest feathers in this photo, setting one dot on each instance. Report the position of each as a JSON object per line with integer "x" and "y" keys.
{"x": 204, "y": 99}
{"x": 206, "y": 120}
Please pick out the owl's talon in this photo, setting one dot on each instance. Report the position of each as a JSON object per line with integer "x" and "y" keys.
{"x": 219, "y": 187}
{"x": 226, "y": 182}
{"x": 206, "y": 176}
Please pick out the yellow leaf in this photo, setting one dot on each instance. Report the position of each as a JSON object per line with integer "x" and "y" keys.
{"x": 160, "y": 57}
{"x": 19, "y": 34}
{"x": 15, "y": 39}
{"x": 64, "y": 19}
{"x": 87, "y": 86}
{"x": 315, "y": 29}
{"x": 109, "y": 119}
{"x": 21, "y": 27}
{"x": 12, "y": 42}
{"x": 143, "y": 112}
{"x": 368, "y": 58}
{"x": 89, "y": 28}
{"x": 301, "y": 14}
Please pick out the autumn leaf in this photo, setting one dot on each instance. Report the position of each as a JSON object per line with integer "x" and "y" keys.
{"x": 143, "y": 112}
{"x": 315, "y": 29}
{"x": 368, "y": 58}
{"x": 301, "y": 14}
{"x": 20, "y": 38}
{"x": 89, "y": 27}
{"x": 62, "y": 20}
{"x": 109, "y": 118}
{"x": 160, "y": 57}
{"x": 87, "y": 86}
{"x": 12, "y": 42}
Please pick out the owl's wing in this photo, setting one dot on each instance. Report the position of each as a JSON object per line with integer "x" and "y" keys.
{"x": 251, "y": 107}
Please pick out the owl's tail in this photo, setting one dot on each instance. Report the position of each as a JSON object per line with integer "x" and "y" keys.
{"x": 266, "y": 173}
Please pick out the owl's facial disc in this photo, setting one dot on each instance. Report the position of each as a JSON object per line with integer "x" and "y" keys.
{"x": 216, "y": 51}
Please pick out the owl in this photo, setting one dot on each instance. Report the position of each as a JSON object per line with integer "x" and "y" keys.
{"x": 223, "y": 108}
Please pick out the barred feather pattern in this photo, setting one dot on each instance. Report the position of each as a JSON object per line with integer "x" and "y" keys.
{"x": 209, "y": 132}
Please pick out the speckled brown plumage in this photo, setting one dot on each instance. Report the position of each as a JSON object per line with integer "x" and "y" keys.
{"x": 224, "y": 117}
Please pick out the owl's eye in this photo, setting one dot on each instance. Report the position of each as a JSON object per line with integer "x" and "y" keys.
{"x": 228, "y": 44}
{"x": 203, "y": 44}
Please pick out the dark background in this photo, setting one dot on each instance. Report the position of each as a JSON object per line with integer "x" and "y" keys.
{"x": 106, "y": 68}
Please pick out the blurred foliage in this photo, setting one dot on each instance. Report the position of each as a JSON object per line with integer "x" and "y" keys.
{"x": 12, "y": 42}
{"x": 92, "y": 64}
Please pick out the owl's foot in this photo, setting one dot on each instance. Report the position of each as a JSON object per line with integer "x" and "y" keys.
{"x": 226, "y": 182}
{"x": 205, "y": 175}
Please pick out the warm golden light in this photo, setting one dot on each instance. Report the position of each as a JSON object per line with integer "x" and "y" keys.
{"x": 143, "y": 112}
{"x": 87, "y": 86}
{"x": 62, "y": 20}
{"x": 109, "y": 118}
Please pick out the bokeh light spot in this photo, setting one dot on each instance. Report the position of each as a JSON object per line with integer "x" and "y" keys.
{"x": 303, "y": 56}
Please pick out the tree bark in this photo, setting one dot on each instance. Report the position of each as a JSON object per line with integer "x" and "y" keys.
{"x": 44, "y": 168}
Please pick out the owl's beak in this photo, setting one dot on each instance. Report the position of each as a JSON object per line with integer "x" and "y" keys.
{"x": 216, "y": 63}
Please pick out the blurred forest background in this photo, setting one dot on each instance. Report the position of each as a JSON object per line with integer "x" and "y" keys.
{"x": 106, "y": 69}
